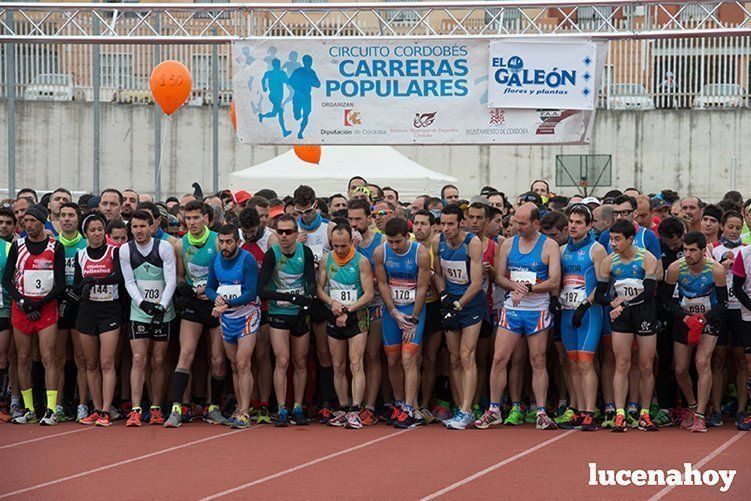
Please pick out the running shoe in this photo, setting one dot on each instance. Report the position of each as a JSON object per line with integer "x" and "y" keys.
{"x": 515, "y": 417}
{"x": 427, "y": 415}
{"x": 745, "y": 425}
{"x": 90, "y": 419}
{"x": 263, "y": 416}
{"x": 573, "y": 423}
{"x": 186, "y": 414}
{"x": 156, "y": 416}
{"x": 562, "y": 409}
{"x": 116, "y": 414}
{"x": 739, "y": 419}
{"x": 404, "y": 420}
{"x": 730, "y": 408}
{"x": 81, "y": 412}
{"x": 543, "y": 422}
{"x": 588, "y": 423}
{"x": 26, "y": 417}
{"x": 457, "y": 410}
{"x": 715, "y": 420}
{"x": 324, "y": 415}
{"x": 134, "y": 418}
{"x": 282, "y": 418}
{"x": 104, "y": 420}
{"x": 662, "y": 419}
{"x": 461, "y": 421}
{"x": 477, "y": 411}
{"x": 214, "y": 416}
{"x": 16, "y": 411}
{"x": 242, "y": 421}
{"x": 687, "y": 418}
{"x": 49, "y": 419}
{"x": 442, "y": 411}
{"x": 698, "y": 426}
{"x": 418, "y": 417}
{"x": 488, "y": 419}
{"x": 598, "y": 414}
{"x": 565, "y": 417}
{"x": 386, "y": 413}
{"x": 338, "y": 419}
{"x": 619, "y": 424}
{"x": 654, "y": 409}
{"x": 530, "y": 417}
{"x": 632, "y": 417}
{"x": 298, "y": 417}
{"x": 646, "y": 424}
{"x": 253, "y": 413}
{"x": 609, "y": 419}
{"x": 354, "y": 421}
{"x": 60, "y": 416}
{"x": 174, "y": 420}
{"x": 368, "y": 417}
{"x": 395, "y": 411}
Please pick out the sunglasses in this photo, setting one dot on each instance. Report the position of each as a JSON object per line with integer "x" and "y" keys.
{"x": 305, "y": 211}
{"x": 286, "y": 232}
{"x": 381, "y": 213}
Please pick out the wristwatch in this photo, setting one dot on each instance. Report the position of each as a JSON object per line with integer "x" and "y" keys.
{"x": 625, "y": 304}
{"x": 457, "y": 306}
{"x": 413, "y": 320}
{"x": 529, "y": 287}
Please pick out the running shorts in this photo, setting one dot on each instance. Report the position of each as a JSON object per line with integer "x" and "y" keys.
{"x": 296, "y": 325}
{"x": 639, "y": 319}
{"x": 199, "y": 311}
{"x": 147, "y": 330}
{"x": 581, "y": 343}
{"x": 237, "y": 328}
{"x": 357, "y": 322}
{"x": 525, "y": 322}
{"x": 94, "y": 318}
{"x": 24, "y": 325}
{"x": 392, "y": 334}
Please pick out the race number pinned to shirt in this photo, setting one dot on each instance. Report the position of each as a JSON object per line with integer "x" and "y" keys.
{"x": 230, "y": 291}
{"x": 629, "y": 288}
{"x": 70, "y": 268}
{"x": 696, "y": 305}
{"x": 38, "y": 283}
{"x": 151, "y": 290}
{"x": 403, "y": 291}
{"x": 347, "y": 297}
{"x": 574, "y": 291}
{"x": 524, "y": 277}
{"x": 455, "y": 271}
{"x": 287, "y": 304}
{"x": 102, "y": 293}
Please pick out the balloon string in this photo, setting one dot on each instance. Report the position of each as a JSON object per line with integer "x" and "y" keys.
{"x": 167, "y": 121}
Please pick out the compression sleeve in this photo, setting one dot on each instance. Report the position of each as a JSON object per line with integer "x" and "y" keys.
{"x": 650, "y": 285}
{"x": 212, "y": 284}
{"x": 250, "y": 282}
{"x": 668, "y": 301}
{"x": 739, "y": 292}
{"x": 167, "y": 253}
{"x": 10, "y": 271}
{"x": 601, "y": 293}
{"x": 721, "y": 292}
{"x": 309, "y": 275}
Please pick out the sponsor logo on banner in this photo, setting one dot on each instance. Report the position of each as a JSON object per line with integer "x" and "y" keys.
{"x": 551, "y": 118}
{"x": 532, "y": 75}
{"x": 399, "y": 91}
{"x": 352, "y": 118}
{"x": 423, "y": 119}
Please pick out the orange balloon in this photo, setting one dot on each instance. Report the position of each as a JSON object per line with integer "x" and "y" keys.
{"x": 310, "y": 154}
{"x": 233, "y": 115}
{"x": 170, "y": 85}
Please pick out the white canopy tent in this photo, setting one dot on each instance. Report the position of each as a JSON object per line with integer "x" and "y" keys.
{"x": 382, "y": 165}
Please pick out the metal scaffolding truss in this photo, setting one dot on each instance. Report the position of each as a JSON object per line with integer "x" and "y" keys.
{"x": 217, "y": 23}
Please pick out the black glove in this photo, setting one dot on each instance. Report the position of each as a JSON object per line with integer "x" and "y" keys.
{"x": 447, "y": 300}
{"x": 301, "y": 300}
{"x": 86, "y": 289}
{"x": 579, "y": 313}
{"x": 30, "y": 306}
{"x": 85, "y": 282}
{"x": 449, "y": 317}
{"x": 149, "y": 308}
{"x": 183, "y": 289}
{"x": 71, "y": 296}
{"x": 555, "y": 305}
{"x": 158, "y": 317}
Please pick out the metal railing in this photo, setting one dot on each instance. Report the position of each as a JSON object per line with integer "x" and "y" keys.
{"x": 202, "y": 23}
{"x": 639, "y": 74}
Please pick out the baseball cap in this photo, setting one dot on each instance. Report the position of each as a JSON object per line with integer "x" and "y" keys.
{"x": 590, "y": 200}
{"x": 242, "y": 196}
{"x": 479, "y": 198}
{"x": 275, "y": 211}
{"x": 532, "y": 197}
{"x": 658, "y": 203}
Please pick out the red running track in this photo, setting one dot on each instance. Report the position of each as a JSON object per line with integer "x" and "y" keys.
{"x": 199, "y": 461}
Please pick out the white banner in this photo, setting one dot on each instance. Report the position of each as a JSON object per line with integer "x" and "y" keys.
{"x": 395, "y": 91}
{"x": 542, "y": 75}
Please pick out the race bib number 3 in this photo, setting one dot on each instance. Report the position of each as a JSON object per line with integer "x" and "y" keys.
{"x": 37, "y": 283}
{"x": 455, "y": 271}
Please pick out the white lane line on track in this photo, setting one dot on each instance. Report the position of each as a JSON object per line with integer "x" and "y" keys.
{"x": 38, "y": 439}
{"x": 496, "y": 466}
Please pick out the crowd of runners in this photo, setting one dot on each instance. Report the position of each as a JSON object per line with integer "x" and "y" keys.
{"x": 632, "y": 310}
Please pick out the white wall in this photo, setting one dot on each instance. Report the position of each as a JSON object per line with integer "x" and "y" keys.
{"x": 690, "y": 152}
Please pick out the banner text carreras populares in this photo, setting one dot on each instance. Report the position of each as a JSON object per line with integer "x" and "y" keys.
{"x": 355, "y": 91}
